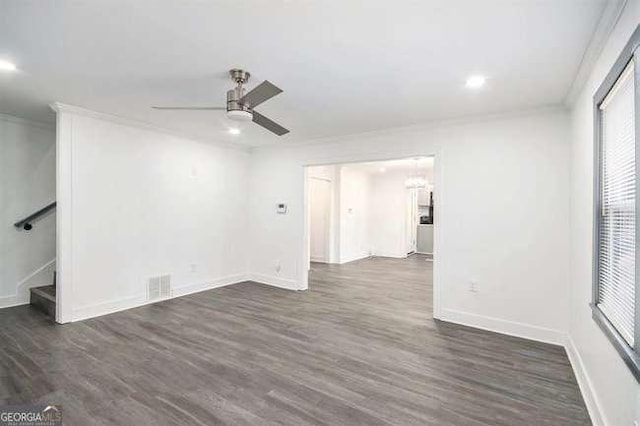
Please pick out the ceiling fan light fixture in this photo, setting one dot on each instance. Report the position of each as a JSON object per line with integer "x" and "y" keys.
{"x": 416, "y": 181}
{"x": 240, "y": 103}
{"x": 239, "y": 115}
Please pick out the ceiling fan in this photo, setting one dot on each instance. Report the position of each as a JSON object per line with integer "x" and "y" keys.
{"x": 240, "y": 105}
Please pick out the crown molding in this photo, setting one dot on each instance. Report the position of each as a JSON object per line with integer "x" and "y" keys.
{"x": 608, "y": 20}
{"x": 59, "y": 107}
{"x": 422, "y": 127}
{"x": 19, "y": 120}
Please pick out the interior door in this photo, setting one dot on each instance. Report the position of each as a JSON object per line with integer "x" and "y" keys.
{"x": 320, "y": 204}
{"x": 412, "y": 221}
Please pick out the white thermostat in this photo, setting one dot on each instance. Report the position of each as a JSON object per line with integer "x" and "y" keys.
{"x": 281, "y": 208}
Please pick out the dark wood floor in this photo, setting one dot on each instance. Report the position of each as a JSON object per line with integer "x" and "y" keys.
{"x": 359, "y": 348}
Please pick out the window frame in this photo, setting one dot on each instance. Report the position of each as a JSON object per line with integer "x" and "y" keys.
{"x": 630, "y": 355}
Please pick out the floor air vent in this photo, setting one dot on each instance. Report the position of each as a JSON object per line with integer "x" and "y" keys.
{"x": 159, "y": 287}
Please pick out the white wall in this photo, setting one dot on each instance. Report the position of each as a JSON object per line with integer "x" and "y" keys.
{"x": 27, "y": 183}
{"x": 389, "y": 202}
{"x": 136, "y": 203}
{"x": 355, "y": 213}
{"x": 513, "y": 239}
{"x": 612, "y": 393}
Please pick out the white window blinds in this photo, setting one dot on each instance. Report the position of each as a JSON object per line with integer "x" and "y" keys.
{"x": 617, "y": 227}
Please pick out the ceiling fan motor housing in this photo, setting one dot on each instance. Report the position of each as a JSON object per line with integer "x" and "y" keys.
{"x": 236, "y": 111}
{"x": 239, "y": 76}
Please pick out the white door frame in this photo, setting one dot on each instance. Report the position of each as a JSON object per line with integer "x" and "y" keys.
{"x": 64, "y": 207}
{"x": 437, "y": 195}
{"x": 329, "y": 224}
{"x": 411, "y": 225}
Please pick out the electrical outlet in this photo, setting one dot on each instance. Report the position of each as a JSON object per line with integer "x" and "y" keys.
{"x": 473, "y": 286}
{"x": 278, "y": 266}
{"x": 193, "y": 267}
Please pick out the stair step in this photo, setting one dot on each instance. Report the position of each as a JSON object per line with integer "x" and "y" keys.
{"x": 44, "y": 299}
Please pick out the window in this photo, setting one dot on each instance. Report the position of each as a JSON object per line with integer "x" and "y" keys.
{"x": 616, "y": 265}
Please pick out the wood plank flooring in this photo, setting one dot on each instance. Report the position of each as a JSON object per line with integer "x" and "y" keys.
{"x": 359, "y": 348}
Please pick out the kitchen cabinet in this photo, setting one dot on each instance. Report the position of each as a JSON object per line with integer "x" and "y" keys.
{"x": 425, "y": 239}
{"x": 424, "y": 197}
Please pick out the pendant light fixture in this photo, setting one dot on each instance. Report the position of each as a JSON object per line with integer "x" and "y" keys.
{"x": 416, "y": 181}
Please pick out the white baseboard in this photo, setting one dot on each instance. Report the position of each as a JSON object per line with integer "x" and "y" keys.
{"x": 110, "y": 307}
{"x": 130, "y": 302}
{"x": 318, "y": 259}
{"x": 11, "y": 301}
{"x": 512, "y": 328}
{"x": 391, "y": 255}
{"x": 584, "y": 382}
{"x": 220, "y": 282}
{"x": 354, "y": 258}
{"x": 284, "y": 283}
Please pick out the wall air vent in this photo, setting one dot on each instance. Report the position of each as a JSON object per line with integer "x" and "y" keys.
{"x": 159, "y": 287}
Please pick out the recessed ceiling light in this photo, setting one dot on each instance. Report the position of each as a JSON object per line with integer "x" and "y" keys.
{"x": 382, "y": 170}
{"x": 234, "y": 131}
{"x": 476, "y": 81}
{"x": 7, "y": 66}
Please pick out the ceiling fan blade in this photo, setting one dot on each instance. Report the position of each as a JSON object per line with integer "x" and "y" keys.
{"x": 191, "y": 108}
{"x": 268, "y": 124}
{"x": 262, "y": 92}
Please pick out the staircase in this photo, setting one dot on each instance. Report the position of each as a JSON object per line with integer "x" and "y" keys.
{"x": 44, "y": 299}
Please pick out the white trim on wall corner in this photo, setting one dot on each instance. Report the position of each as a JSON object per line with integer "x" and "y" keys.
{"x": 608, "y": 20}
{"x": 498, "y": 325}
{"x": 584, "y": 382}
{"x": 284, "y": 283}
{"x": 139, "y": 300}
{"x": 439, "y": 200}
{"x": 65, "y": 174}
{"x": 76, "y": 110}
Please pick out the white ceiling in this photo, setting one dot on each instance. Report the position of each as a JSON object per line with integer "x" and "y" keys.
{"x": 345, "y": 66}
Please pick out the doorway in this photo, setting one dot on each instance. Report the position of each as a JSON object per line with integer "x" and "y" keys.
{"x": 367, "y": 214}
